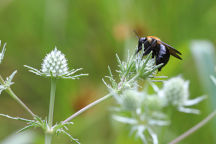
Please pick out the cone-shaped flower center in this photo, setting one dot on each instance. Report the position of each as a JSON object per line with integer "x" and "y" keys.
{"x": 55, "y": 64}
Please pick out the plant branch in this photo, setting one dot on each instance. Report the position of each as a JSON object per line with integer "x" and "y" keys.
{"x": 120, "y": 85}
{"x": 14, "y": 96}
{"x": 87, "y": 107}
{"x": 195, "y": 128}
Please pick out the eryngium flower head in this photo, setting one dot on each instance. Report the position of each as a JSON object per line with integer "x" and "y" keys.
{"x": 145, "y": 67}
{"x": 55, "y": 65}
{"x": 3, "y": 52}
{"x": 145, "y": 113}
{"x": 131, "y": 99}
{"x": 176, "y": 92}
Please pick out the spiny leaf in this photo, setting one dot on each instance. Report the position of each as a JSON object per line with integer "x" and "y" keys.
{"x": 15, "y": 118}
{"x": 25, "y": 128}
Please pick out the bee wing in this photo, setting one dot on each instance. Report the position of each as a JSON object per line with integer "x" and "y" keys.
{"x": 173, "y": 53}
{"x": 172, "y": 50}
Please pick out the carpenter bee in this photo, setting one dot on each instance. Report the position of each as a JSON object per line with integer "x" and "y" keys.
{"x": 160, "y": 50}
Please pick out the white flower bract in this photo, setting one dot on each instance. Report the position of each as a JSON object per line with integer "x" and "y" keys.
{"x": 2, "y": 52}
{"x": 55, "y": 65}
{"x": 8, "y": 82}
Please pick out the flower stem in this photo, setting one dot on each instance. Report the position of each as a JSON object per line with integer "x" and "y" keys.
{"x": 48, "y": 139}
{"x": 14, "y": 96}
{"x": 87, "y": 107}
{"x": 195, "y": 128}
{"x": 48, "y": 134}
{"x": 120, "y": 85}
{"x": 52, "y": 101}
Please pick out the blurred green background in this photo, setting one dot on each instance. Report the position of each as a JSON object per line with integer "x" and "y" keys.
{"x": 90, "y": 32}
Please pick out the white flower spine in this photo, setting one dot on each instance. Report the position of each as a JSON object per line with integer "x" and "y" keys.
{"x": 3, "y": 52}
{"x": 55, "y": 64}
{"x": 150, "y": 65}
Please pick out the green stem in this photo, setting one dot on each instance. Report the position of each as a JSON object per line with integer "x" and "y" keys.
{"x": 195, "y": 128}
{"x": 48, "y": 139}
{"x": 87, "y": 107}
{"x": 48, "y": 135}
{"x": 52, "y": 101}
{"x": 120, "y": 85}
{"x": 14, "y": 96}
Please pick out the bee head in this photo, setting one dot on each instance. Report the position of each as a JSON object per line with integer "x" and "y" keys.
{"x": 142, "y": 39}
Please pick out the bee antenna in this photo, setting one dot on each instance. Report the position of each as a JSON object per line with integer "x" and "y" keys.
{"x": 136, "y": 34}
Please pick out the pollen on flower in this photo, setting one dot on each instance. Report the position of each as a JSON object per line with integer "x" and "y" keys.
{"x": 55, "y": 64}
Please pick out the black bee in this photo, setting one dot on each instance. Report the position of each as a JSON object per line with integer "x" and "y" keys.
{"x": 160, "y": 50}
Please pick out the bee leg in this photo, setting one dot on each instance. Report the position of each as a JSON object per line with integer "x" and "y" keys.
{"x": 154, "y": 43}
{"x": 147, "y": 51}
{"x": 150, "y": 48}
{"x": 139, "y": 47}
{"x": 162, "y": 57}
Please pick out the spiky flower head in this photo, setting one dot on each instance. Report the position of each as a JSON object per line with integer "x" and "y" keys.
{"x": 131, "y": 99}
{"x": 143, "y": 112}
{"x": 3, "y": 52}
{"x": 145, "y": 67}
{"x": 55, "y": 65}
{"x": 148, "y": 63}
{"x": 176, "y": 93}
